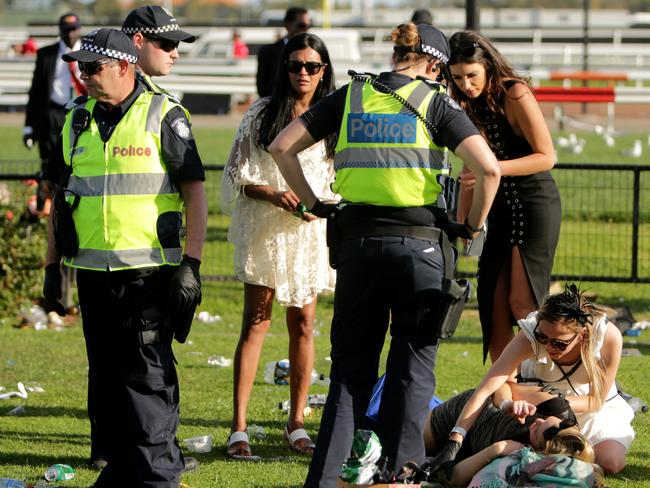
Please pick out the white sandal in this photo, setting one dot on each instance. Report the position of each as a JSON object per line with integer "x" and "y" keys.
{"x": 293, "y": 437}
{"x": 243, "y": 452}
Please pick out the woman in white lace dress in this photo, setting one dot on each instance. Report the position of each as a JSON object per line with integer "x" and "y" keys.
{"x": 280, "y": 249}
{"x": 569, "y": 348}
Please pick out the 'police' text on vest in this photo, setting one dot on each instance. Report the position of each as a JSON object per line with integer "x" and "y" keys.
{"x": 131, "y": 151}
{"x": 381, "y": 128}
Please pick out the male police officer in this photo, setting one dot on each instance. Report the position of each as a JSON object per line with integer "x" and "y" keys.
{"x": 393, "y": 265}
{"x": 156, "y": 35}
{"x": 131, "y": 164}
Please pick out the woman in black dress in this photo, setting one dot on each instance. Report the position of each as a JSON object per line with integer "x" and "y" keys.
{"x": 524, "y": 222}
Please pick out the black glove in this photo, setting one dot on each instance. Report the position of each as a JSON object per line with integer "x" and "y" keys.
{"x": 444, "y": 461}
{"x": 28, "y": 140}
{"x": 185, "y": 290}
{"x": 456, "y": 230}
{"x": 322, "y": 209}
{"x": 52, "y": 288}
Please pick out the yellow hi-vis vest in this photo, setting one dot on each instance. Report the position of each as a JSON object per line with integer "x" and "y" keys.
{"x": 149, "y": 85}
{"x": 385, "y": 155}
{"x": 128, "y": 204}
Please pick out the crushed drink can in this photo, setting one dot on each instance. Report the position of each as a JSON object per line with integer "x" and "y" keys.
{"x": 59, "y": 472}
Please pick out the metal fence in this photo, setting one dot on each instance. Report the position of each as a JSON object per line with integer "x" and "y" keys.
{"x": 605, "y": 232}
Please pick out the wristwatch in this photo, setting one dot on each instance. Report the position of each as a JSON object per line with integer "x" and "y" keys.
{"x": 459, "y": 430}
{"x": 471, "y": 228}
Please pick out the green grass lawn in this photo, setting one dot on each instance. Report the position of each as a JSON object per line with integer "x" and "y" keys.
{"x": 54, "y": 426}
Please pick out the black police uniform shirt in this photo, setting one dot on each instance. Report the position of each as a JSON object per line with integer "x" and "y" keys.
{"x": 452, "y": 123}
{"x": 178, "y": 147}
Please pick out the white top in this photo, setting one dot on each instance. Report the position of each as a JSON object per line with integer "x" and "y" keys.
{"x": 273, "y": 248}
{"x": 613, "y": 420}
{"x": 62, "y": 89}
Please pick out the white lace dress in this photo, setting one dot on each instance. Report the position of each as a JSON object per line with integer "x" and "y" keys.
{"x": 273, "y": 248}
{"x": 614, "y": 420}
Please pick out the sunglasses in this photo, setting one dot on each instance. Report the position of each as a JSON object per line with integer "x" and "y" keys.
{"x": 166, "y": 45}
{"x": 311, "y": 67}
{"x": 551, "y": 432}
{"x": 93, "y": 67}
{"x": 303, "y": 25}
{"x": 466, "y": 51}
{"x": 558, "y": 344}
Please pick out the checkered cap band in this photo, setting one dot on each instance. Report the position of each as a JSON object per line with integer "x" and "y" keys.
{"x": 151, "y": 30}
{"x": 435, "y": 53}
{"x": 109, "y": 53}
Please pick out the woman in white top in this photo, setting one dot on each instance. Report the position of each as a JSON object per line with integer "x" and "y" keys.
{"x": 570, "y": 346}
{"x": 280, "y": 250}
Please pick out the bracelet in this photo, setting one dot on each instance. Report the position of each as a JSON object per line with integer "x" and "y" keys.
{"x": 471, "y": 228}
{"x": 505, "y": 404}
{"x": 459, "y": 430}
{"x": 243, "y": 190}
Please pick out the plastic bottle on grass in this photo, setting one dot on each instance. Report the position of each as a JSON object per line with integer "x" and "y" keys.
{"x": 277, "y": 372}
{"x": 256, "y": 432}
{"x": 12, "y": 483}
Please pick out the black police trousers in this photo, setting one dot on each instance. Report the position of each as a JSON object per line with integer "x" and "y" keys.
{"x": 380, "y": 280}
{"x": 133, "y": 387}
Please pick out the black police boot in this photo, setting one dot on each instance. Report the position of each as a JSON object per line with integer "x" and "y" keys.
{"x": 191, "y": 464}
{"x": 98, "y": 462}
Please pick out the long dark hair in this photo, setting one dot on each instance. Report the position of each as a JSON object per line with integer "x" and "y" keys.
{"x": 468, "y": 47}
{"x": 278, "y": 113}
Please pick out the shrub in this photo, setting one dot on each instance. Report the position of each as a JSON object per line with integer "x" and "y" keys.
{"x": 22, "y": 251}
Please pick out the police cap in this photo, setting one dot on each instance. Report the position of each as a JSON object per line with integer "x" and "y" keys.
{"x": 155, "y": 21}
{"x": 433, "y": 42}
{"x": 104, "y": 43}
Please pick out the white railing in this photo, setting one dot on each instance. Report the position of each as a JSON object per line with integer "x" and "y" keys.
{"x": 227, "y": 77}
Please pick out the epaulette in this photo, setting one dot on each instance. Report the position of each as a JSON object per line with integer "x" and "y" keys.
{"x": 73, "y": 103}
{"x": 361, "y": 74}
{"x": 433, "y": 84}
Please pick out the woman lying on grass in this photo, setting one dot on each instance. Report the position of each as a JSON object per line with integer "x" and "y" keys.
{"x": 496, "y": 433}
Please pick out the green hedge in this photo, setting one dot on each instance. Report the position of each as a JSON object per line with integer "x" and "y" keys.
{"x": 22, "y": 251}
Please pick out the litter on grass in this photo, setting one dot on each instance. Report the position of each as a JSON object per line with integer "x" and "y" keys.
{"x": 219, "y": 361}
{"x": 21, "y": 393}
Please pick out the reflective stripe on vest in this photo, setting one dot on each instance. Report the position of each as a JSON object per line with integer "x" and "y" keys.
{"x": 124, "y": 259}
{"x": 124, "y": 184}
{"x": 128, "y": 203}
{"x": 385, "y": 155}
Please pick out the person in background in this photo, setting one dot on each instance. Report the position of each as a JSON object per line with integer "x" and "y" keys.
{"x": 389, "y": 161}
{"x": 54, "y": 84}
{"x": 570, "y": 347}
{"x": 155, "y": 35}
{"x": 280, "y": 250}
{"x": 29, "y": 47}
{"x": 422, "y": 16}
{"x": 239, "y": 47}
{"x": 296, "y": 21}
{"x": 514, "y": 269}
{"x": 128, "y": 157}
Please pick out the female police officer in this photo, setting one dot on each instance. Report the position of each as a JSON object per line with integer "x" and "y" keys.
{"x": 392, "y": 133}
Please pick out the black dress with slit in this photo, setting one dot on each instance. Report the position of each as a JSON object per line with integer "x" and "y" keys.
{"x": 526, "y": 213}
